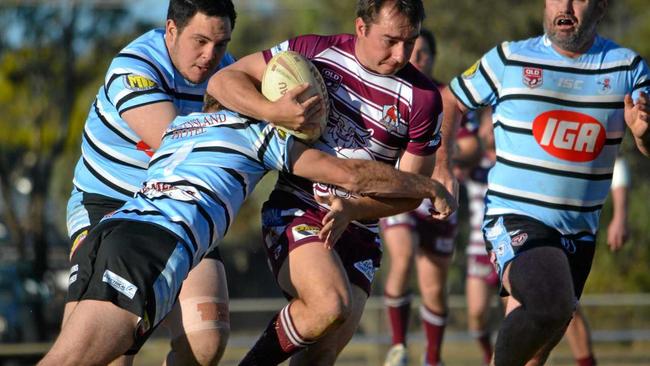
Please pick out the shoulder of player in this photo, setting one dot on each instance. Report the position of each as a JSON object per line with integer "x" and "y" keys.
{"x": 319, "y": 42}
{"x": 417, "y": 80}
{"x": 615, "y": 52}
{"x": 147, "y": 52}
{"x": 510, "y": 49}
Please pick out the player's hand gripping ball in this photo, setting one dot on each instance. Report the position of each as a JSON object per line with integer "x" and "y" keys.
{"x": 287, "y": 70}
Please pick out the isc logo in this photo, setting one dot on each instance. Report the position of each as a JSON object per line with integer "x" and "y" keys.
{"x": 569, "y": 135}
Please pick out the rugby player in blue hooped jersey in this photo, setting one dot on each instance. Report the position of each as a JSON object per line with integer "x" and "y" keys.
{"x": 561, "y": 103}
{"x": 156, "y": 77}
{"x": 128, "y": 272}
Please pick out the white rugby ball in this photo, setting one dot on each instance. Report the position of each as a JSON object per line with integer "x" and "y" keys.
{"x": 287, "y": 70}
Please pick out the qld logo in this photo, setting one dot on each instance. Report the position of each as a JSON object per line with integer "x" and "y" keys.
{"x": 533, "y": 77}
{"x": 571, "y": 136}
{"x": 332, "y": 80}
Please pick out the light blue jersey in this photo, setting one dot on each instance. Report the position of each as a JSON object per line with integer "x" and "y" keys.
{"x": 114, "y": 159}
{"x": 203, "y": 171}
{"x": 558, "y": 123}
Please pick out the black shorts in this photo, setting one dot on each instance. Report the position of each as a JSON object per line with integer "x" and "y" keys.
{"x": 121, "y": 262}
{"x": 509, "y": 235}
{"x": 97, "y": 206}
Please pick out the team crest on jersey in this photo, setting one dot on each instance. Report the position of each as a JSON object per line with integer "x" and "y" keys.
{"x": 533, "y": 77}
{"x": 139, "y": 83}
{"x": 367, "y": 268}
{"x": 604, "y": 84}
{"x": 471, "y": 71}
{"x": 390, "y": 117}
{"x": 332, "y": 80}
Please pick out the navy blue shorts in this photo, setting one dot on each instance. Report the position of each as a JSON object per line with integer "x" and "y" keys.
{"x": 509, "y": 235}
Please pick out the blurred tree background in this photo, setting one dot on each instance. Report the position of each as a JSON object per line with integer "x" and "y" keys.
{"x": 53, "y": 55}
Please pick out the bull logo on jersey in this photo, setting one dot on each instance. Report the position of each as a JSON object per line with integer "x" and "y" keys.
{"x": 345, "y": 139}
{"x": 568, "y": 135}
{"x": 139, "y": 83}
{"x": 332, "y": 80}
{"x": 390, "y": 117}
{"x": 533, "y": 77}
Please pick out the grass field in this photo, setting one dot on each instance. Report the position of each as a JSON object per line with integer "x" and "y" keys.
{"x": 455, "y": 353}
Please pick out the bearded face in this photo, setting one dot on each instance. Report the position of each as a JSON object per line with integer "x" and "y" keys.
{"x": 571, "y": 25}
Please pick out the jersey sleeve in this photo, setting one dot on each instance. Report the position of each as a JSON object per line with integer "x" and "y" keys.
{"x": 132, "y": 82}
{"x": 479, "y": 85}
{"x": 424, "y": 125}
{"x": 275, "y": 149}
{"x": 640, "y": 79}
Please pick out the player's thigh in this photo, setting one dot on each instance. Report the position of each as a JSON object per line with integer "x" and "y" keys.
{"x": 312, "y": 271}
{"x": 432, "y": 270}
{"x": 399, "y": 240}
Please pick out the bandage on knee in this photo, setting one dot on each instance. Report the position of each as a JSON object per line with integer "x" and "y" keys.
{"x": 201, "y": 313}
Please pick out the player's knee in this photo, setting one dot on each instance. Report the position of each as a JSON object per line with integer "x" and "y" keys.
{"x": 202, "y": 336}
{"x": 333, "y": 309}
{"x": 204, "y": 347}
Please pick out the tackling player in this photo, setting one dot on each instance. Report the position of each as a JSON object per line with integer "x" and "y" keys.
{"x": 128, "y": 272}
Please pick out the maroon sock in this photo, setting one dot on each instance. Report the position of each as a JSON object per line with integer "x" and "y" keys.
{"x": 587, "y": 361}
{"x": 483, "y": 339}
{"x": 399, "y": 310}
{"x": 434, "y": 329}
{"x": 279, "y": 341}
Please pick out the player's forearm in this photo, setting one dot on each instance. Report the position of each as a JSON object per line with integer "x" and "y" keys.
{"x": 379, "y": 179}
{"x": 372, "y": 208}
{"x": 239, "y": 92}
{"x": 619, "y": 203}
{"x": 643, "y": 144}
{"x": 450, "y": 122}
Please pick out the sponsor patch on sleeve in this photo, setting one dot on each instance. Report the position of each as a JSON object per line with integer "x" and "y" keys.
{"x": 471, "y": 71}
{"x": 139, "y": 83}
{"x": 304, "y": 231}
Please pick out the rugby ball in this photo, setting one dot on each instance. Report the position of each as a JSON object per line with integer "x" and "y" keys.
{"x": 287, "y": 70}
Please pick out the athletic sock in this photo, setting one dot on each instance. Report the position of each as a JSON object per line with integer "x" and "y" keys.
{"x": 587, "y": 361}
{"x": 483, "y": 339}
{"x": 279, "y": 341}
{"x": 399, "y": 310}
{"x": 434, "y": 329}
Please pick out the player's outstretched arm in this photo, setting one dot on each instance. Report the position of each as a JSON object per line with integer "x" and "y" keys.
{"x": 368, "y": 177}
{"x": 637, "y": 116}
{"x": 453, "y": 112}
{"x": 237, "y": 87}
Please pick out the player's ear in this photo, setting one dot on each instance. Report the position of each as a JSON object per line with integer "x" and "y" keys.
{"x": 171, "y": 30}
{"x": 360, "y": 27}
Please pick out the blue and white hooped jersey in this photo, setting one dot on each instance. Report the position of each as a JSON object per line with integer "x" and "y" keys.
{"x": 203, "y": 171}
{"x": 558, "y": 123}
{"x": 114, "y": 159}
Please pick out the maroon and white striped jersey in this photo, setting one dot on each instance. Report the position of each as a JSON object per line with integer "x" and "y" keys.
{"x": 372, "y": 116}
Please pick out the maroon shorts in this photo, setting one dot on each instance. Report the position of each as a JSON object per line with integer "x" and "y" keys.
{"x": 481, "y": 267}
{"x": 435, "y": 236}
{"x": 285, "y": 229}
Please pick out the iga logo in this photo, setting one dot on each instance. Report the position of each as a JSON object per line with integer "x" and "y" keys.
{"x": 533, "y": 77}
{"x": 569, "y": 135}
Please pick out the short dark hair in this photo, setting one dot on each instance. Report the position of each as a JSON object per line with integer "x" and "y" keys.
{"x": 210, "y": 104}
{"x": 412, "y": 9}
{"x": 429, "y": 39}
{"x": 181, "y": 11}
